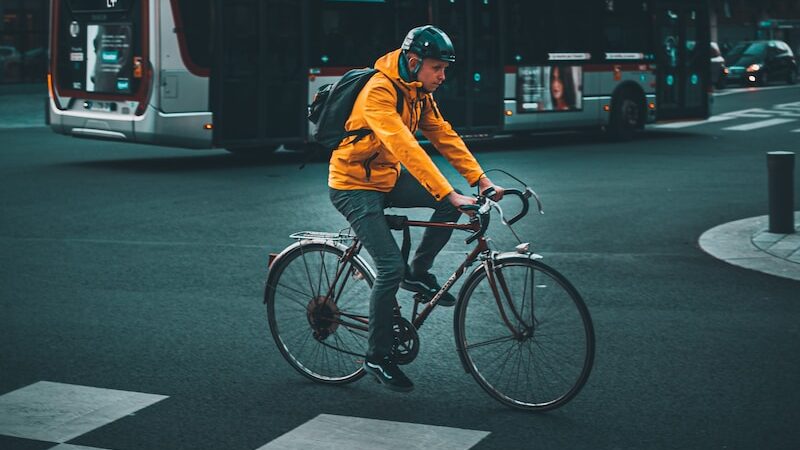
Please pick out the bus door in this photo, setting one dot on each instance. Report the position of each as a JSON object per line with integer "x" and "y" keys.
{"x": 682, "y": 59}
{"x": 471, "y": 98}
{"x": 258, "y": 80}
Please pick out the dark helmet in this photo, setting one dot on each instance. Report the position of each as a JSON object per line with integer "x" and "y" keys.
{"x": 429, "y": 42}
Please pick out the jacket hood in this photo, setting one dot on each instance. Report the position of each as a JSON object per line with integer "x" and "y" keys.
{"x": 389, "y": 65}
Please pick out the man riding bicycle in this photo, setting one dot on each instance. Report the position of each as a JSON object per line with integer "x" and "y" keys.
{"x": 388, "y": 168}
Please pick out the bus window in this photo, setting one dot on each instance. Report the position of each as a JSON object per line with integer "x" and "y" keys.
{"x": 335, "y": 40}
{"x": 356, "y": 33}
{"x": 626, "y": 27}
{"x": 95, "y": 52}
{"x": 196, "y": 19}
{"x": 538, "y": 28}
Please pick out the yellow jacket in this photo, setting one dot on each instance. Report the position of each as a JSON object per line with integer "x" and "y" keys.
{"x": 373, "y": 163}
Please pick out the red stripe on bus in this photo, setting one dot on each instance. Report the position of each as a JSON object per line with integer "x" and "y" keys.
{"x": 610, "y": 67}
{"x": 626, "y": 67}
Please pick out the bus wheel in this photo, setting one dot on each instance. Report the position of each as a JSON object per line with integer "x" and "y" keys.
{"x": 625, "y": 116}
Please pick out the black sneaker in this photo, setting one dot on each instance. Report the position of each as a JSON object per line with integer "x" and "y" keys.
{"x": 388, "y": 374}
{"x": 426, "y": 285}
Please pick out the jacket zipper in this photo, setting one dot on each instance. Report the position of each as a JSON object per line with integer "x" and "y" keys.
{"x": 414, "y": 116}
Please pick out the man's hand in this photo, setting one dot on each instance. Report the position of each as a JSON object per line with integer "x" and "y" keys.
{"x": 485, "y": 183}
{"x": 459, "y": 200}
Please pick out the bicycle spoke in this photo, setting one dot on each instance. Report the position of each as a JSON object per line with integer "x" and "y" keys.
{"x": 308, "y": 274}
{"x": 322, "y": 271}
{"x": 490, "y": 342}
{"x": 302, "y": 301}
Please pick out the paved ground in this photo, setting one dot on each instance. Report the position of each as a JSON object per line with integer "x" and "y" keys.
{"x": 22, "y": 108}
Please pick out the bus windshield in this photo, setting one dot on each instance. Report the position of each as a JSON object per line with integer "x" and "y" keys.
{"x": 98, "y": 53}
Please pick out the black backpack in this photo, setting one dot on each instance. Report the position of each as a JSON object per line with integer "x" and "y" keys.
{"x": 333, "y": 104}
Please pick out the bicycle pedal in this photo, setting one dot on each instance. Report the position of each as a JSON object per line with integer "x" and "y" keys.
{"x": 421, "y": 298}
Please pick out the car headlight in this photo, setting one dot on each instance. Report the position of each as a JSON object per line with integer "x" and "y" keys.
{"x": 753, "y": 68}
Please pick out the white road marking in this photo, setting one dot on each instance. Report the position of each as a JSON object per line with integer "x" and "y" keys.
{"x": 57, "y": 412}
{"x": 342, "y": 432}
{"x": 712, "y": 119}
{"x": 74, "y": 447}
{"x": 759, "y": 124}
{"x": 751, "y": 89}
{"x": 782, "y": 110}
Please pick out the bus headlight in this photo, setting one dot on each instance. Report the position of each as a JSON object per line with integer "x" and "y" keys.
{"x": 753, "y": 68}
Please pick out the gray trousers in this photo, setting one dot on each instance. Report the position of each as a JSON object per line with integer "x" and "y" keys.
{"x": 364, "y": 210}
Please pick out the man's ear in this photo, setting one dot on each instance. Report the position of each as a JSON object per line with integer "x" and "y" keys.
{"x": 413, "y": 60}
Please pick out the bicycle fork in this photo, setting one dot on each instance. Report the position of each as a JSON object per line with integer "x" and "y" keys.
{"x": 497, "y": 280}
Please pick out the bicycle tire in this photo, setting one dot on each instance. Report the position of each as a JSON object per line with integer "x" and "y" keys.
{"x": 570, "y": 338}
{"x": 298, "y": 315}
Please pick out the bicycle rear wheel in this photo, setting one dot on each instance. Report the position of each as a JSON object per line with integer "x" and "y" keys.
{"x": 320, "y": 329}
{"x": 545, "y": 361}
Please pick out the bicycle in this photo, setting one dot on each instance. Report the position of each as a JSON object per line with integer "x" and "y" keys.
{"x": 532, "y": 351}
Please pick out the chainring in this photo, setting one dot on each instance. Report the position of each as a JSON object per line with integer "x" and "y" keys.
{"x": 406, "y": 341}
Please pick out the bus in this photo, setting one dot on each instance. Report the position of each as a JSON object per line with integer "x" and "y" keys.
{"x": 240, "y": 74}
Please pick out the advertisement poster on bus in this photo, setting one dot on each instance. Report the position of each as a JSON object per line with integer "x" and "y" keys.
{"x": 549, "y": 88}
{"x": 108, "y": 59}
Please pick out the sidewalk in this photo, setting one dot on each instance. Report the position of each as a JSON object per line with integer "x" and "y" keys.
{"x": 747, "y": 243}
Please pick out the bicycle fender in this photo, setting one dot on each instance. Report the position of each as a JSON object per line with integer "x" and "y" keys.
{"x": 306, "y": 242}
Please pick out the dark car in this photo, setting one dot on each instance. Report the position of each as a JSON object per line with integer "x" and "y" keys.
{"x": 760, "y": 62}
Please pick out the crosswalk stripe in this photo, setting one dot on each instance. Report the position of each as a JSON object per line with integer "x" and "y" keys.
{"x": 796, "y": 131}
{"x": 342, "y": 432}
{"x": 57, "y": 412}
{"x": 74, "y": 447}
{"x": 759, "y": 124}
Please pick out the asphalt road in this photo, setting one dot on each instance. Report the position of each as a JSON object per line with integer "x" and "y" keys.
{"x": 141, "y": 269}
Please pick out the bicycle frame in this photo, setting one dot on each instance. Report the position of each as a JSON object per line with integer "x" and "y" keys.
{"x": 419, "y": 317}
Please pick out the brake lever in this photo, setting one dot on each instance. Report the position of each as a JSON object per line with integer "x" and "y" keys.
{"x": 531, "y": 193}
{"x": 499, "y": 209}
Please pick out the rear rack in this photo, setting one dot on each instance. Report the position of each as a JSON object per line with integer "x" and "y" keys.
{"x": 339, "y": 236}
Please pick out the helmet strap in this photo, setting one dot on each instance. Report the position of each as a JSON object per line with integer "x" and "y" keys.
{"x": 412, "y": 74}
{"x": 415, "y": 71}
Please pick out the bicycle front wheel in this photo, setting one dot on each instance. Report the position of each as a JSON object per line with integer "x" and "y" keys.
{"x": 319, "y": 322}
{"x": 525, "y": 334}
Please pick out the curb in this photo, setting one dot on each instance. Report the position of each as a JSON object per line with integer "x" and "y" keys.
{"x": 746, "y": 243}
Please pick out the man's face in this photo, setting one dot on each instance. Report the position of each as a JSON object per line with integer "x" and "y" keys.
{"x": 431, "y": 74}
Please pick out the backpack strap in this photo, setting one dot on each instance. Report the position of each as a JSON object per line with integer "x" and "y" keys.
{"x": 359, "y": 134}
